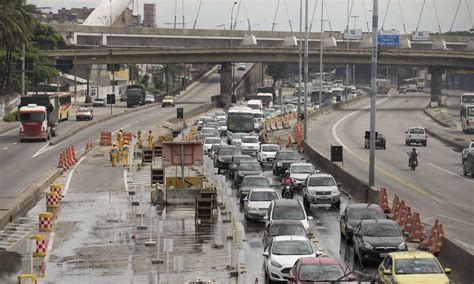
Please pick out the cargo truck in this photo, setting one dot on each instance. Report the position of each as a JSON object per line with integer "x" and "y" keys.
{"x": 136, "y": 95}
{"x": 38, "y": 116}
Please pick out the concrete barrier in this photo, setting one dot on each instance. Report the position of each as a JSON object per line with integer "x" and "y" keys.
{"x": 350, "y": 184}
{"x": 459, "y": 258}
{"x": 194, "y": 112}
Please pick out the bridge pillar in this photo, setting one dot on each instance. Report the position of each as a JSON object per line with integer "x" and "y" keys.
{"x": 226, "y": 84}
{"x": 436, "y": 85}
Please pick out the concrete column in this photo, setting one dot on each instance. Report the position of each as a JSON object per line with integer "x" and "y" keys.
{"x": 436, "y": 85}
{"x": 226, "y": 84}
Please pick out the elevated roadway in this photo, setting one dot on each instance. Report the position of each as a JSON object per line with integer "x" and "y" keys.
{"x": 436, "y": 189}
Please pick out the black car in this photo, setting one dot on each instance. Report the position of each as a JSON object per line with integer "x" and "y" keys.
{"x": 380, "y": 141}
{"x": 374, "y": 239}
{"x": 283, "y": 160}
{"x": 354, "y": 214}
{"x": 224, "y": 155}
{"x": 247, "y": 168}
{"x": 235, "y": 161}
{"x": 281, "y": 228}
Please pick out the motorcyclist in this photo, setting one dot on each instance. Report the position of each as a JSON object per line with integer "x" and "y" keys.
{"x": 287, "y": 181}
{"x": 413, "y": 156}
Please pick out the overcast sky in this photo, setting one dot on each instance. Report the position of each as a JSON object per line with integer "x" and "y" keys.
{"x": 261, "y": 13}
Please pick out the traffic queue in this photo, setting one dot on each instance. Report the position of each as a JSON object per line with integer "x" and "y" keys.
{"x": 283, "y": 199}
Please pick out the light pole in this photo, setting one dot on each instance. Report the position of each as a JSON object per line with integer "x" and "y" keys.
{"x": 353, "y": 65}
{"x": 300, "y": 56}
{"x": 231, "y": 46}
{"x": 321, "y": 49}
{"x": 347, "y": 45}
{"x": 306, "y": 71}
{"x": 373, "y": 83}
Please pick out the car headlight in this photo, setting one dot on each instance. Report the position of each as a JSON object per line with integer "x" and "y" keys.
{"x": 279, "y": 164}
{"x": 402, "y": 246}
{"x": 335, "y": 192}
{"x": 368, "y": 246}
{"x": 276, "y": 264}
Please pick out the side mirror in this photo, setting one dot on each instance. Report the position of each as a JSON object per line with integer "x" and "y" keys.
{"x": 387, "y": 272}
{"x": 291, "y": 278}
{"x": 319, "y": 253}
{"x": 310, "y": 218}
{"x": 265, "y": 253}
{"x": 339, "y": 185}
{"x": 447, "y": 270}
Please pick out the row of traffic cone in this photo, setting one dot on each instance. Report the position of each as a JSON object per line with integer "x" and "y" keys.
{"x": 410, "y": 223}
{"x": 89, "y": 145}
{"x": 67, "y": 158}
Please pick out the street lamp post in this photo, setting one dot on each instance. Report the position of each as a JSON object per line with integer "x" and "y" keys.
{"x": 232, "y": 45}
{"x": 306, "y": 73}
{"x": 321, "y": 49}
{"x": 373, "y": 71}
{"x": 353, "y": 65}
{"x": 300, "y": 56}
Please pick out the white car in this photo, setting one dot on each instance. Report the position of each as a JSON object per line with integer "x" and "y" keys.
{"x": 220, "y": 116}
{"x": 237, "y": 139}
{"x": 222, "y": 127}
{"x": 249, "y": 145}
{"x": 256, "y": 203}
{"x": 267, "y": 153}
{"x": 416, "y": 135}
{"x": 282, "y": 253}
{"x": 208, "y": 142}
{"x": 321, "y": 189}
{"x": 465, "y": 151}
{"x": 299, "y": 172}
{"x": 84, "y": 113}
{"x": 241, "y": 66}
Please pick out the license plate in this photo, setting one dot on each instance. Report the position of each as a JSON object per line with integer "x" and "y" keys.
{"x": 383, "y": 254}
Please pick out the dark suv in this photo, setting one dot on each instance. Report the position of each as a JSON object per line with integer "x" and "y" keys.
{"x": 283, "y": 160}
{"x": 354, "y": 214}
{"x": 374, "y": 239}
{"x": 224, "y": 155}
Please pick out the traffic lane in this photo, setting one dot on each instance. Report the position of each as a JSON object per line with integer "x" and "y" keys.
{"x": 387, "y": 176}
{"x": 324, "y": 228}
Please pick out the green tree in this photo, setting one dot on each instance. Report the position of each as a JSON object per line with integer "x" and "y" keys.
{"x": 15, "y": 27}
{"x": 278, "y": 71}
{"x": 171, "y": 71}
{"x": 45, "y": 37}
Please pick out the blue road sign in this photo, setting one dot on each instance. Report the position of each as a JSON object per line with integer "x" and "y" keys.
{"x": 389, "y": 40}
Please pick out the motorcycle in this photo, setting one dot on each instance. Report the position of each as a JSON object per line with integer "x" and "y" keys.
{"x": 413, "y": 162}
{"x": 286, "y": 192}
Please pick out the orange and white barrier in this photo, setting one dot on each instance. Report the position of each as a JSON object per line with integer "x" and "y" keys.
{"x": 45, "y": 222}
{"x": 52, "y": 199}
{"x": 40, "y": 245}
{"x": 56, "y": 187}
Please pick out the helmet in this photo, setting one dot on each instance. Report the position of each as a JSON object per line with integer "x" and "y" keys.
{"x": 149, "y": 131}
{"x": 114, "y": 144}
{"x": 139, "y": 132}
{"x": 287, "y": 172}
{"x": 120, "y": 130}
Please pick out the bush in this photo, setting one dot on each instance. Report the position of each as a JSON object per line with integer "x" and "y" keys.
{"x": 11, "y": 117}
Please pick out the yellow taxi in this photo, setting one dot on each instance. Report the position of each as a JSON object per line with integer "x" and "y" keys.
{"x": 418, "y": 267}
{"x": 168, "y": 101}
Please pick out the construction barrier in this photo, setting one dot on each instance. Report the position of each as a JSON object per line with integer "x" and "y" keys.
{"x": 89, "y": 145}
{"x": 40, "y": 245}
{"x": 56, "y": 187}
{"x": 434, "y": 238}
{"x": 45, "y": 222}
{"x": 105, "y": 138}
{"x": 176, "y": 182}
{"x": 383, "y": 200}
{"x": 127, "y": 137}
{"x": 26, "y": 279}
{"x": 416, "y": 235}
{"x": 62, "y": 164}
{"x": 407, "y": 225}
{"x": 52, "y": 199}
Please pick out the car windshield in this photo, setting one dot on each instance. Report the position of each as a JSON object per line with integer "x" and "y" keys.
{"x": 222, "y": 123}
{"x": 263, "y": 196}
{"x": 417, "y": 131}
{"x": 249, "y": 140}
{"x": 32, "y": 116}
{"x": 212, "y": 141}
{"x": 292, "y": 248}
{"x": 150, "y": 97}
{"x": 240, "y": 122}
{"x": 250, "y": 167}
{"x": 238, "y": 159}
{"x": 168, "y": 98}
{"x": 83, "y": 109}
{"x": 312, "y": 272}
{"x": 362, "y": 213}
{"x": 206, "y": 119}
{"x": 229, "y": 151}
{"x": 272, "y": 148}
{"x": 220, "y": 113}
{"x": 256, "y": 182}
{"x": 381, "y": 230}
{"x": 287, "y": 229}
{"x": 288, "y": 156}
{"x": 208, "y": 131}
{"x": 417, "y": 266}
{"x": 288, "y": 213}
{"x": 303, "y": 169}
{"x": 99, "y": 100}
{"x": 321, "y": 181}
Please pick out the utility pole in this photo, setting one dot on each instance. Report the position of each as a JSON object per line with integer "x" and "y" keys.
{"x": 347, "y": 45}
{"x": 300, "y": 57}
{"x": 353, "y": 65}
{"x": 373, "y": 79}
{"x": 175, "y": 11}
{"x": 232, "y": 45}
{"x": 23, "y": 58}
{"x": 321, "y": 49}
{"x": 306, "y": 73}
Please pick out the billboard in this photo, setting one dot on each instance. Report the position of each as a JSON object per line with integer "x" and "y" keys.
{"x": 190, "y": 151}
{"x": 388, "y": 40}
{"x": 420, "y": 36}
{"x": 353, "y": 34}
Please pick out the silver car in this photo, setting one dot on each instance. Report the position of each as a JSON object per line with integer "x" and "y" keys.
{"x": 256, "y": 203}
{"x": 321, "y": 189}
{"x": 251, "y": 182}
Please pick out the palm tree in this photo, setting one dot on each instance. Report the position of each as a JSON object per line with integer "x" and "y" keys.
{"x": 15, "y": 26}
{"x": 171, "y": 71}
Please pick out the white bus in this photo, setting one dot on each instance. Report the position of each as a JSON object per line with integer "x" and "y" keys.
{"x": 240, "y": 120}
{"x": 414, "y": 84}
{"x": 266, "y": 98}
{"x": 467, "y": 118}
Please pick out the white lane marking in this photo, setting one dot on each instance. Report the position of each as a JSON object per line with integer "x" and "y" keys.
{"x": 46, "y": 149}
{"x": 10, "y": 131}
{"x": 451, "y": 173}
{"x": 125, "y": 179}
{"x": 15, "y": 143}
{"x": 454, "y": 219}
{"x": 66, "y": 187}
{"x": 4, "y": 149}
{"x": 40, "y": 150}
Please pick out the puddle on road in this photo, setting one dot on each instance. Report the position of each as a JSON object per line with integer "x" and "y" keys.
{"x": 10, "y": 265}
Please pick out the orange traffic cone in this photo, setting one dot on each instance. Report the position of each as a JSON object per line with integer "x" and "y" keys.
{"x": 435, "y": 247}
{"x": 429, "y": 241}
{"x": 407, "y": 225}
{"x": 416, "y": 235}
{"x": 401, "y": 216}
{"x": 73, "y": 154}
{"x": 383, "y": 200}
{"x": 61, "y": 162}
{"x": 395, "y": 206}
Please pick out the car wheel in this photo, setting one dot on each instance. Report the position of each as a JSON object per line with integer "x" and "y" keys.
{"x": 464, "y": 173}
{"x": 306, "y": 203}
{"x": 362, "y": 262}
{"x": 274, "y": 172}
{"x": 406, "y": 143}
{"x": 425, "y": 143}
{"x": 337, "y": 205}
{"x": 385, "y": 147}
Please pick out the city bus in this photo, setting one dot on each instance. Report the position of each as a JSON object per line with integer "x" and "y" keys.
{"x": 65, "y": 106}
{"x": 240, "y": 120}
{"x": 414, "y": 84}
{"x": 383, "y": 86}
{"x": 467, "y": 118}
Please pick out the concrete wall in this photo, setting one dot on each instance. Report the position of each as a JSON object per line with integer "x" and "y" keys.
{"x": 453, "y": 255}
{"x": 250, "y": 81}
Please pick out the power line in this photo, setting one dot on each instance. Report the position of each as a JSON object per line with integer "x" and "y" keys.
{"x": 455, "y": 15}
{"x": 274, "y": 18}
